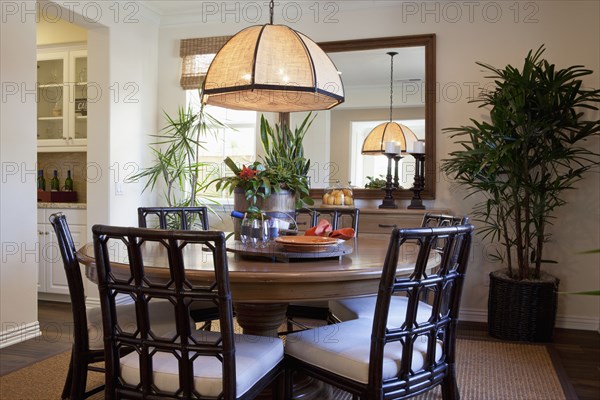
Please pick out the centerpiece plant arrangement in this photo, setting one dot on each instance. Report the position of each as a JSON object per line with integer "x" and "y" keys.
{"x": 177, "y": 163}
{"x": 283, "y": 168}
{"x": 520, "y": 163}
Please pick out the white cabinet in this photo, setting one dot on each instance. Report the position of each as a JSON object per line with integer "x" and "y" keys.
{"x": 51, "y": 272}
{"x": 62, "y": 99}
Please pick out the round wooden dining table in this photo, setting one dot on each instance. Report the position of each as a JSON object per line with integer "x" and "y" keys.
{"x": 262, "y": 285}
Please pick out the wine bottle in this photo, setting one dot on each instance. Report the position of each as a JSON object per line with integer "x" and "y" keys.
{"x": 41, "y": 182}
{"x": 54, "y": 182}
{"x": 69, "y": 182}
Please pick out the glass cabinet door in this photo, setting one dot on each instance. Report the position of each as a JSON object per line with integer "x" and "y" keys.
{"x": 51, "y": 123}
{"x": 80, "y": 95}
{"x": 62, "y": 99}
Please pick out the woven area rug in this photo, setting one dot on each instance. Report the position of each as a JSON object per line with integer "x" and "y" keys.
{"x": 486, "y": 371}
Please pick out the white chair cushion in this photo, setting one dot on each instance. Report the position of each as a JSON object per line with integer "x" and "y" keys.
{"x": 162, "y": 320}
{"x": 255, "y": 356}
{"x": 364, "y": 307}
{"x": 344, "y": 349}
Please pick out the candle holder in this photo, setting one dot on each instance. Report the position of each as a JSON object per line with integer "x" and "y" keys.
{"x": 388, "y": 200}
{"x": 397, "y": 158}
{"x": 416, "y": 203}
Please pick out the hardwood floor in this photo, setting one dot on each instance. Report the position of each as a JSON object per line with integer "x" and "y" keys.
{"x": 578, "y": 352}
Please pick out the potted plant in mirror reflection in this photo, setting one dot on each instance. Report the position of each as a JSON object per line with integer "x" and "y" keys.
{"x": 282, "y": 168}
{"x": 177, "y": 163}
{"x": 375, "y": 183}
{"x": 519, "y": 164}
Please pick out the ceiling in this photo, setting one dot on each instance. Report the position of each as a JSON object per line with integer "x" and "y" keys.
{"x": 180, "y": 7}
{"x": 372, "y": 67}
{"x": 365, "y": 68}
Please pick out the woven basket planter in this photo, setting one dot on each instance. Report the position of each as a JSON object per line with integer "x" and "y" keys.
{"x": 522, "y": 310}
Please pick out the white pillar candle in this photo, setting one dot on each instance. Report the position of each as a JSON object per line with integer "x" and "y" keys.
{"x": 397, "y": 148}
{"x": 390, "y": 147}
{"x": 419, "y": 147}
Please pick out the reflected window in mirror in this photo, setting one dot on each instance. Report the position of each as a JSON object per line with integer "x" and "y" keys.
{"x": 375, "y": 166}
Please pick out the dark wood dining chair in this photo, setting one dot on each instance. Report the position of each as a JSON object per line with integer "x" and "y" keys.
{"x": 401, "y": 352}
{"x": 305, "y": 218}
{"x": 88, "y": 346}
{"x": 431, "y": 220}
{"x": 186, "y": 218}
{"x": 319, "y": 310}
{"x": 336, "y": 216}
{"x": 364, "y": 307}
{"x": 186, "y": 363}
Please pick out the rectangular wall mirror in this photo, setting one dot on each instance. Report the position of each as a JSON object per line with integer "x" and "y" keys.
{"x": 334, "y": 141}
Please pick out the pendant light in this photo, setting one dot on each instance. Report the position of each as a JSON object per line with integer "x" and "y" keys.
{"x": 389, "y": 132}
{"x": 272, "y": 68}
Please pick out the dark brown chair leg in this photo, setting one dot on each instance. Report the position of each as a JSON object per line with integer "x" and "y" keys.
{"x": 449, "y": 386}
{"x": 66, "y": 393}
{"x": 288, "y": 384}
{"x": 79, "y": 379}
{"x": 278, "y": 387}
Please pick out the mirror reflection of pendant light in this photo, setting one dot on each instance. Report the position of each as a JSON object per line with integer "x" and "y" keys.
{"x": 272, "y": 68}
{"x": 388, "y": 132}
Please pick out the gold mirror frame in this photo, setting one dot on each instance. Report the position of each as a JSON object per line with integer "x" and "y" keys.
{"x": 428, "y": 41}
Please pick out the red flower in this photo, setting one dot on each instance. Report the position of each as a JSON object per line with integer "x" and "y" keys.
{"x": 247, "y": 173}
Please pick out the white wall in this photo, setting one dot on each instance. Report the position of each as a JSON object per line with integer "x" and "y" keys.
{"x": 122, "y": 71}
{"x": 122, "y": 65}
{"x": 18, "y": 217}
{"x": 497, "y": 33}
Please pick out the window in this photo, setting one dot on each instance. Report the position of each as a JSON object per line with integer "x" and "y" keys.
{"x": 238, "y": 141}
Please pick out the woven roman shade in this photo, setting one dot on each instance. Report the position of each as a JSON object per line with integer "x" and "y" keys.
{"x": 196, "y": 56}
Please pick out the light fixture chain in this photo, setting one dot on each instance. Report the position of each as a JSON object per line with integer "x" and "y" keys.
{"x": 271, "y": 8}
{"x": 391, "y": 84}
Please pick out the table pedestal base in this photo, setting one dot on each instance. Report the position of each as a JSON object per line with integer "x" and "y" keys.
{"x": 259, "y": 318}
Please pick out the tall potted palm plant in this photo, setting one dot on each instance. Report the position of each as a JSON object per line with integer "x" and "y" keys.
{"x": 177, "y": 163}
{"x": 519, "y": 164}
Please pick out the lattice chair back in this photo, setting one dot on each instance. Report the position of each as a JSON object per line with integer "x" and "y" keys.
{"x": 335, "y": 216}
{"x": 184, "y": 355}
{"x": 428, "y": 328}
{"x": 185, "y": 218}
{"x": 431, "y": 220}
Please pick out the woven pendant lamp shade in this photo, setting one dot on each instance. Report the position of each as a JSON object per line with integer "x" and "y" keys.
{"x": 388, "y": 132}
{"x": 272, "y": 68}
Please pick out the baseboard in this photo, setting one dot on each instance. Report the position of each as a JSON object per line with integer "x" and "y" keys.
{"x": 62, "y": 298}
{"x": 562, "y": 321}
{"x": 19, "y": 333}
{"x": 91, "y": 302}
{"x": 583, "y": 323}
{"x": 472, "y": 315}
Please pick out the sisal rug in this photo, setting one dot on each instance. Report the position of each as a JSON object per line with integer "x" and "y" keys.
{"x": 486, "y": 371}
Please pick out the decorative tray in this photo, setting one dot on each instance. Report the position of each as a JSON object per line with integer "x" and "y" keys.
{"x": 304, "y": 244}
{"x": 301, "y": 249}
